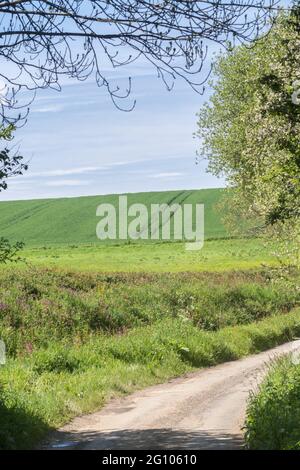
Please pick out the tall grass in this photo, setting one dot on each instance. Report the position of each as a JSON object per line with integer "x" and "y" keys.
{"x": 273, "y": 414}
{"x": 39, "y": 306}
{"x": 42, "y": 390}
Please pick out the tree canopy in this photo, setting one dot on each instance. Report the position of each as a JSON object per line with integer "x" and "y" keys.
{"x": 250, "y": 128}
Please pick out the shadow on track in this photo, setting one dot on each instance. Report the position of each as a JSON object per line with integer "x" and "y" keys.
{"x": 147, "y": 439}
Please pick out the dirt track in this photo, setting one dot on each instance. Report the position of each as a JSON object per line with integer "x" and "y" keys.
{"x": 204, "y": 410}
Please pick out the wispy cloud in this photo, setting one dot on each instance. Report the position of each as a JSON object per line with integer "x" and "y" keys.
{"x": 173, "y": 174}
{"x": 58, "y": 183}
{"x": 78, "y": 170}
{"x": 64, "y": 172}
{"x": 55, "y": 108}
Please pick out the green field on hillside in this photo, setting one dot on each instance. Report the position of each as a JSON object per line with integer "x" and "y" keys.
{"x": 75, "y": 340}
{"x": 74, "y": 220}
{"x": 61, "y": 233}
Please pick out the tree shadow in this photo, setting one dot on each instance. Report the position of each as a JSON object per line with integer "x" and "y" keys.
{"x": 147, "y": 439}
{"x": 20, "y": 429}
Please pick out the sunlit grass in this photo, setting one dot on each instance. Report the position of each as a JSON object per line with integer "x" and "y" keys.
{"x": 216, "y": 255}
{"x": 273, "y": 414}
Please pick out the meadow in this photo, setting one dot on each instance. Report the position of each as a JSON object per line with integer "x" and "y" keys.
{"x": 216, "y": 255}
{"x": 85, "y": 321}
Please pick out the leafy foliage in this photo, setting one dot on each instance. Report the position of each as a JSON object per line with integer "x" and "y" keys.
{"x": 273, "y": 415}
{"x": 250, "y": 128}
{"x": 10, "y": 165}
{"x": 9, "y": 251}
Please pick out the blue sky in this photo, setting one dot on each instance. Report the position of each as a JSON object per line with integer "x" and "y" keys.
{"x": 78, "y": 143}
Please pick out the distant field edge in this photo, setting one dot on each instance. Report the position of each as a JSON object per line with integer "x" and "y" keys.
{"x": 216, "y": 255}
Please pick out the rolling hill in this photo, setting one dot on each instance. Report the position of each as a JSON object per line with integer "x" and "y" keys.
{"x": 73, "y": 220}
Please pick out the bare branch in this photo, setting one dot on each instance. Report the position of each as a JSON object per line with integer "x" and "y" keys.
{"x": 41, "y": 41}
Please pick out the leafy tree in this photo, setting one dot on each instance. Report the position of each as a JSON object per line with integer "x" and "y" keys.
{"x": 10, "y": 165}
{"x": 250, "y": 128}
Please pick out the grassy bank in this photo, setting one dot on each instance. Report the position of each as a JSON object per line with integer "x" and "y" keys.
{"x": 46, "y": 388}
{"x": 76, "y": 340}
{"x": 39, "y": 306}
{"x": 273, "y": 415}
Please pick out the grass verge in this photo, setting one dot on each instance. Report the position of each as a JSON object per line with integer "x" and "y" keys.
{"x": 44, "y": 389}
{"x": 273, "y": 414}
